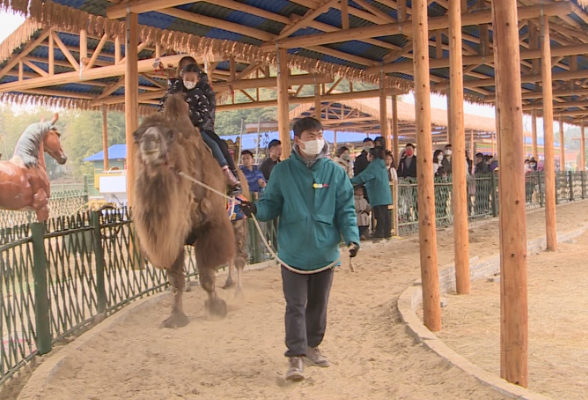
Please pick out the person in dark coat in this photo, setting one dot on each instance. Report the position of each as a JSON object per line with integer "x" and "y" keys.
{"x": 447, "y": 162}
{"x": 361, "y": 161}
{"x": 274, "y": 153}
{"x": 407, "y": 168}
{"x": 482, "y": 187}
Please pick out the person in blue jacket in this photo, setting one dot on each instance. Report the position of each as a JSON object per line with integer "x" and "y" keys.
{"x": 377, "y": 184}
{"x": 313, "y": 199}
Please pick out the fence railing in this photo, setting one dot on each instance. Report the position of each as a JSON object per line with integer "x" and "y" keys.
{"x": 57, "y": 277}
{"x": 482, "y": 197}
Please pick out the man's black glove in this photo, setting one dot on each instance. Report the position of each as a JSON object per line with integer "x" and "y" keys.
{"x": 353, "y": 249}
{"x": 248, "y": 208}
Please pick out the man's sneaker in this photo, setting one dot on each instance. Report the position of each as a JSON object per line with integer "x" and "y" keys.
{"x": 314, "y": 355}
{"x": 296, "y": 370}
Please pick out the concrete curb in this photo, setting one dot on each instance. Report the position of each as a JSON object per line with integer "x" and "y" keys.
{"x": 48, "y": 368}
{"x": 411, "y": 298}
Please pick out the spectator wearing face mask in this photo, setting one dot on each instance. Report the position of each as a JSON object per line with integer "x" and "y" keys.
{"x": 361, "y": 162}
{"x": 313, "y": 199}
{"x": 407, "y": 168}
{"x": 274, "y": 153}
{"x": 343, "y": 159}
{"x": 447, "y": 159}
{"x": 437, "y": 160}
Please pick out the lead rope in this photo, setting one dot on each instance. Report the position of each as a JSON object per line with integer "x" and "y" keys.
{"x": 265, "y": 242}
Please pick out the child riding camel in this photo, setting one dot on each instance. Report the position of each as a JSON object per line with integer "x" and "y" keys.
{"x": 193, "y": 82}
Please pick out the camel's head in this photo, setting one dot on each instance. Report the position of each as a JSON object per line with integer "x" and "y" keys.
{"x": 154, "y": 141}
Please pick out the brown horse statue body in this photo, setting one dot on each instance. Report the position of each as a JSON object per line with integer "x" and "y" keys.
{"x": 170, "y": 211}
{"x": 24, "y": 183}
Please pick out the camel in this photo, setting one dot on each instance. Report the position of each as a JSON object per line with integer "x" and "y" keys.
{"x": 170, "y": 211}
{"x": 241, "y": 255}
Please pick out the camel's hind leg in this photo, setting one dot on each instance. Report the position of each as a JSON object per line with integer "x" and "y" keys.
{"x": 241, "y": 255}
{"x": 177, "y": 281}
{"x": 229, "y": 283}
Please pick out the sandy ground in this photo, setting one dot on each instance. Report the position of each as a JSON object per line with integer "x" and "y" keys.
{"x": 558, "y": 316}
{"x": 241, "y": 357}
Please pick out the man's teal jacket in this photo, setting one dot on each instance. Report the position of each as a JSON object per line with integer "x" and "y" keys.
{"x": 377, "y": 184}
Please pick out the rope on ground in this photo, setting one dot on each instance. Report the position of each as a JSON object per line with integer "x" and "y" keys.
{"x": 260, "y": 231}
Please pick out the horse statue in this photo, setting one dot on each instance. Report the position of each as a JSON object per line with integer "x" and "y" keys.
{"x": 24, "y": 183}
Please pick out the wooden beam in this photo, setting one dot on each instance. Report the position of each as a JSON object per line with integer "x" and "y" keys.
{"x": 20, "y": 71}
{"x": 16, "y": 58}
{"x": 141, "y": 6}
{"x": 32, "y": 66}
{"x": 557, "y": 105}
{"x": 283, "y": 103}
{"x": 425, "y": 183}
{"x": 439, "y": 45}
{"x": 435, "y": 23}
{"x": 559, "y": 93}
{"x": 97, "y": 51}
{"x": 318, "y": 105}
{"x": 303, "y": 22}
{"x": 549, "y": 152}
{"x": 51, "y": 56}
{"x": 562, "y": 148}
{"x": 65, "y": 52}
{"x": 131, "y": 97}
{"x": 406, "y": 66}
{"x": 344, "y": 14}
{"x": 105, "y": 137}
{"x": 513, "y": 223}
{"x": 459, "y": 167}
{"x": 111, "y": 89}
{"x": 376, "y": 11}
{"x": 402, "y": 11}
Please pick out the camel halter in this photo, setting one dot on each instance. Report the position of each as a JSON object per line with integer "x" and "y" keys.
{"x": 269, "y": 248}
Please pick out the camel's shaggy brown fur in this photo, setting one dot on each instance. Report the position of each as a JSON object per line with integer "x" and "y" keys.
{"x": 169, "y": 209}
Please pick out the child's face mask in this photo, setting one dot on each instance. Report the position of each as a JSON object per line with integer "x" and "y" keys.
{"x": 189, "y": 85}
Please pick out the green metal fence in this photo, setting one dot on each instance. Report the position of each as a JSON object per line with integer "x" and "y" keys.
{"x": 58, "y": 277}
{"x": 483, "y": 197}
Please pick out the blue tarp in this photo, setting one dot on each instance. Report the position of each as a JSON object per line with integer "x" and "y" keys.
{"x": 115, "y": 152}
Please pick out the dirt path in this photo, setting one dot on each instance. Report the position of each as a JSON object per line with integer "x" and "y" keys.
{"x": 558, "y": 345}
{"x": 241, "y": 357}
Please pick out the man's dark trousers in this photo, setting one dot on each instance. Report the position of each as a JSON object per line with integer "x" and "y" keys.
{"x": 306, "y": 297}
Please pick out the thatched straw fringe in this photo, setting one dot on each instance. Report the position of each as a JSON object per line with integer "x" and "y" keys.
{"x": 70, "y": 20}
{"x": 66, "y": 103}
{"x": 21, "y": 35}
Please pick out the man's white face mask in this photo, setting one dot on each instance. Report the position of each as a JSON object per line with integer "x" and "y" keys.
{"x": 313, "y": 148}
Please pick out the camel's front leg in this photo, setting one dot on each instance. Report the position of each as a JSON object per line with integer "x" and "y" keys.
{"x": 214, "y": 305}
{"x": 177, "y": 282}
{"x": 241, "y": 256}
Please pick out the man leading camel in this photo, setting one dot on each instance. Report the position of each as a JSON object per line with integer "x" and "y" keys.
{"x": 313, "y": 198}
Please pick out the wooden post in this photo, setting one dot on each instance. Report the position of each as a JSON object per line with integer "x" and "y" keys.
{"x": 51, "y": 55}
{"x": 117, "y": 49}
{"x": 83, "y": 47}
{"x": 131, "y": 97}
{"x": 426, "y": 189}
{"x": 318, "y": 107}
{"x": 344, "y": 14}
{"x": 384, "y": 114}
{"x": 548, "y": 150}
{"x": 513, "y": 223}
{"x": 283, "y": 103}
{"x": 534, "y": 150}
{"x": 105, "y": 136}
{"x": 396, "y": 151}
{"x": 472, "y": 149}
{"x": 493, "y": 144}
{"x": 582, "y": 147}
{"x": 459, "y": 166}
{"x": 562, "y": 148}
{"x": 335, "y": 141}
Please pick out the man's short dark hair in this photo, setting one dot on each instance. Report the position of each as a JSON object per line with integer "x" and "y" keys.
{"x": 187, "y": 58}
{"x": 481, "y": 155}
{"x": 249, "y": 152}
{"x": 274, "y": 143}
{"x": 306, "y": 124}
{"x": 367, "y": 139}
{"x": 409, "y": 145}
{"x": 380, "y": 140}
{"x": 341, "y": 150}
{"x": 448, "y": 145}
